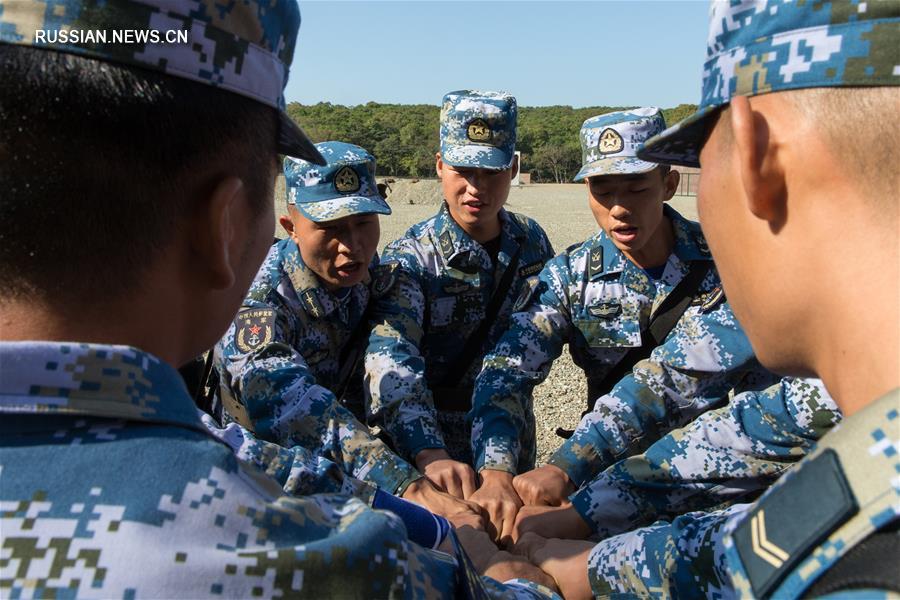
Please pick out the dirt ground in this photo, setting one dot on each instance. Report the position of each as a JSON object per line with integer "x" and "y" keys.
{"x": 563, "y": 212}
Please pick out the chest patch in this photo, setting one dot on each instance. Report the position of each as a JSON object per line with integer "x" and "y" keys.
{"x": 455, "y": 287}
{"x": 254, "y": 328}
{"x": 606, "y": 310}
{"x": 529, "y": 270}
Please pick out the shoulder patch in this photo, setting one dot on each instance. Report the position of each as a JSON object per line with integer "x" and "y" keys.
{"x": 384, "y": 279}
{"x": 531, "y": 269}
{"x": 254, "y": 328}
{"x": 784, "y": 528}
{"x": 709, "y": 300}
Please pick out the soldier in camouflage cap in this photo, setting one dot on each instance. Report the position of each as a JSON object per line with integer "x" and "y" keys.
{"x": 290, "y": 354}
{"x": 609, "y": 142}
{"x": 113, "y": 486}
{"x": 798, "y": 120}
{"x": 440, "y": 312}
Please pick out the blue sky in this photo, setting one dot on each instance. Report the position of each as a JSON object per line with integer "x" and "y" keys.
{"x": 611, "y": 53}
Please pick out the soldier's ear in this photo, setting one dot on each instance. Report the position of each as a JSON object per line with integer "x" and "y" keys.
{"x": 438, "y": 164}
{"x": 218, "y": 232}
{"x": 514, "y": 169}
{"x": 759, "y": 162}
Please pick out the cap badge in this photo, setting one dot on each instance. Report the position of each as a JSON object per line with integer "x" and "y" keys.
{"x": 346, "y": 180}
{"x": 610, "y": 142}
{"x": 478, "y": 131}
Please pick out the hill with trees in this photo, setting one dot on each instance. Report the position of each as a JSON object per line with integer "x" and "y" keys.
{"x": 404, "y": 137}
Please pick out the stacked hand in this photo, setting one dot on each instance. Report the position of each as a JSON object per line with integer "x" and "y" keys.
{"x": 564, "y": 560}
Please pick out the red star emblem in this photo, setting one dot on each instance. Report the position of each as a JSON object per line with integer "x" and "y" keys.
{"x": 255, "y": 329}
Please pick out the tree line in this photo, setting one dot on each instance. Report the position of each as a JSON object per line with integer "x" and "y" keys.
{"x": 404, "y": 137}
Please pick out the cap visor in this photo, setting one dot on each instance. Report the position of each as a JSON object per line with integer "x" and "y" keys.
{"x": 615, "y": 166}
{"x": 681, "y": 143}
{"x": 294, "y": 143}
{"x": 343, "y": 206}
{"x": 477, "y": 156}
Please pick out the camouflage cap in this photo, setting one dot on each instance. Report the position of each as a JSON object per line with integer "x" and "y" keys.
{"x": 478, "y": 129}
{"x": 343, "y": 186}
{"x": 244, "y": 47}
{"x": 761, "y": 46}
{"x": 609, "y": 142}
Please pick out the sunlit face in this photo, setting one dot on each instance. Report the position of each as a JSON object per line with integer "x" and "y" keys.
{"x": 629, "y": 208}
{"x": 475, "y": 196}
{"x": 338, "y": 251}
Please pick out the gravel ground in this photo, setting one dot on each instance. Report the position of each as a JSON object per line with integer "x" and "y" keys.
{"x": 563, "y": 212}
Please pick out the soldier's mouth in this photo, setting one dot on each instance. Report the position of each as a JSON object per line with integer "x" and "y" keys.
{"x": 350, "y": 268}
{"x": 624, "y": 233}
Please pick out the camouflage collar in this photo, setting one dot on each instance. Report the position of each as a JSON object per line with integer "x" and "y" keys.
{"x": 314, "y": 296}
{"x": 452, "y": 240}
{"x": 96, "y": 380}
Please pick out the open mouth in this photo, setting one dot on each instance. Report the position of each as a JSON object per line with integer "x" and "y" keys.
{"x": 473, "y": 206}
{"x": 349, "y": 269}
{"x": 624, "y": 233}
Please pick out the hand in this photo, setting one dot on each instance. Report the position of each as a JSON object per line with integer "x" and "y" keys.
{"x": 497, "y": 496}
{"x": 477, "y": 545}
{"x": 551, "y": 521}
{"x": 459, "y": 512}
{"x": 505, "y": 566}
{"x": 564, "y": 560}
{"x": 547, "y": 486}
{"x": 456, "y": 477}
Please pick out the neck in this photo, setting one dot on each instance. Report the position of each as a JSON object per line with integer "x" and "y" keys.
{"x": 483, "y": 232}
{"x": 657, "y": 249}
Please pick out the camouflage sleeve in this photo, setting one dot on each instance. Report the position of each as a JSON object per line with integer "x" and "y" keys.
{"x": 398, "y": 396}
{"x": 725, "y": 455}
{"x": 702, "y": 359}
{"x": 297, "y": 470}
{"x": 276, "y": 389}
{"x": 502, "y": 402}
{"x": 681, "y": 559}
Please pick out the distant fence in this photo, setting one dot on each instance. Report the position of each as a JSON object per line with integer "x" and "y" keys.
{"x": 690, "y": 181}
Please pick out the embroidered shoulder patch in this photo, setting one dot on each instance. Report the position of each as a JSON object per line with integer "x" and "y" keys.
{"x": 254, "y": 328}
{"x": 385, "y": 278}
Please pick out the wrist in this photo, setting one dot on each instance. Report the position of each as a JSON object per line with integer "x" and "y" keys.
{"x": 429, "y": 455}
{"x": 492, "y": 476}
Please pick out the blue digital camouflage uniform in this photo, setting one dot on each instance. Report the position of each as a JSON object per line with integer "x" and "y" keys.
{"x": 280, "y": 387}
{"x": 847, "y": 489}
{"x": 136, "y": 499}
{"x": 443, "y": 281}
{"x": 596, "y": 300}
{"x": 440, "y": 283}
{"x": 725, "y": 455}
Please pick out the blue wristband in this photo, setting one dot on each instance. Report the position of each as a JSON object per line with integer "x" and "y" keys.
{"x": 423, "y": 527}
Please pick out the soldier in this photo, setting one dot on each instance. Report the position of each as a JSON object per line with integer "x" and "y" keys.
{"x": 112, "y": 486}
{"x": 290, "y": 352}
{"x": 796, "y": 123}
{"x": 453, "y": 280}
{"x": 607, "y": 298}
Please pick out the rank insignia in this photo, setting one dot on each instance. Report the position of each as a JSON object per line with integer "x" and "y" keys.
{"x": 529, "y": 270}
{"x": 610, "y": 142}
{"x": 446, "y": 245}
{"x": 346, "y": 180}
{"x": 595, "y": 262}
{"x": 606, "y": 310}
{"x": 709, "y": 300}
{"x": 254, "y": 328}
{"x": 385, "y": 277}
{"x": 311, "y": 303}
{"x": 478, "y": 131}
{"x": 456, "y": 287}
{"x": 525, "y": 295}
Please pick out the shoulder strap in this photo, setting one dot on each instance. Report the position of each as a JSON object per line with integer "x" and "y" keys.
{"x": 472, "y": 348}
{"x": 661, "y": 324}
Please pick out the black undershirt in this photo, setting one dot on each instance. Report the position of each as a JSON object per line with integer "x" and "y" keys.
{"x": 492, "y": 247}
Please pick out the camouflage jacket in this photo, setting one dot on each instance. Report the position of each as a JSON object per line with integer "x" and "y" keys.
{"x": 837, "y": 496}
{"x": 596, "y": 300}
{"x": 725, "y": 455}
{"x": 441, "y": 284}
{"x": 280, "y": 359}
{"x": 112, "y": 487}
